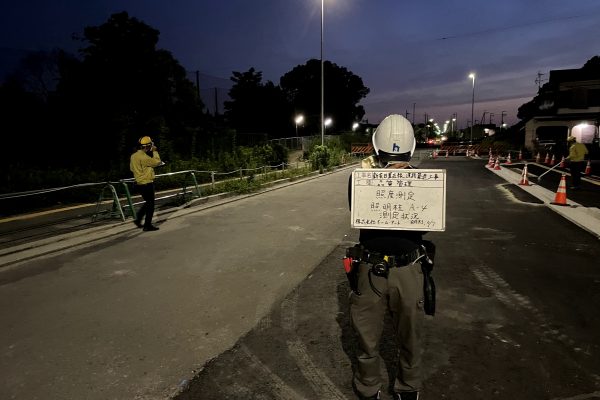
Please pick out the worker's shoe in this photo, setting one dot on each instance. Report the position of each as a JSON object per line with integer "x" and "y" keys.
{"x": 138, "y": 223}
{"x": 406, "y": 396}
{"x": 150, "y": 228}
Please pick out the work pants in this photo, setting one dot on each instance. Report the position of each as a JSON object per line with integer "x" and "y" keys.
{"x": 402, "y": 295}
{"x": 576, "y": 168}
{"x": 147, "y": 210}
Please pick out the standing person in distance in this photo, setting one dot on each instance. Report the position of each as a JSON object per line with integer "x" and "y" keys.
{"x": 577, "y": 153}
{"x": 142, "y": 165}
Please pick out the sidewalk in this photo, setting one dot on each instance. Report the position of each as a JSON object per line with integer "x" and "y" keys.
{"x": 587, "y": 218}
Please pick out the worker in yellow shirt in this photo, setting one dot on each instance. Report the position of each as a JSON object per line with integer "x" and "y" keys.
{"x": 577, "y": 153}
{"x": 142, "y": 165}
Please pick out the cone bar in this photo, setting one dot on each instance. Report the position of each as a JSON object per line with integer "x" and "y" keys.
{"x": 561, "y": 193}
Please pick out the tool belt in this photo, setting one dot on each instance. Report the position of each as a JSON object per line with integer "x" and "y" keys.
{"x": 381, "y": 263}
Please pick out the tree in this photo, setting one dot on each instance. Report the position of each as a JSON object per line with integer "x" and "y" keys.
{"x": 256, "y": 107}
{"x": 342, "y": 92}
{"x": 125, "y": 88}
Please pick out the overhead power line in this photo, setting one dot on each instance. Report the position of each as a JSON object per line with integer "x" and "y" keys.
{"x": 505, "y": 28}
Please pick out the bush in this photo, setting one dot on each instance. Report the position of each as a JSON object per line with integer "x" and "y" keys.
{"x": 320, "y": 158}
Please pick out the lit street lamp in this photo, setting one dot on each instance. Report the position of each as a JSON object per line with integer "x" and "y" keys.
{"x": 328, "y": 121}
{"x": 355, "y": 126}
{"x": 472, "y": 76}
{"x": 298, "y": 120}
{"x": 322, "y": 81}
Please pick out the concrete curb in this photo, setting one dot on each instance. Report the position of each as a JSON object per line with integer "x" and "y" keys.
{"x": 587, "y": 218}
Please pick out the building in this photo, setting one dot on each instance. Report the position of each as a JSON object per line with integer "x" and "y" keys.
{"x": 567, "y": 105}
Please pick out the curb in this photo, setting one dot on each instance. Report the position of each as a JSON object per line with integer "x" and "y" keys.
{"x": 587, "y": 218}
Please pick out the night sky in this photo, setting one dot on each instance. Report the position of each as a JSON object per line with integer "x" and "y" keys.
{"x": 405, "y": 51}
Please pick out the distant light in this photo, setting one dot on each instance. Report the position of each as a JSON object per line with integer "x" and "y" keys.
{"x": 355, "y": 126}
{"x": 472, "y": 75}
{"x": 328, "y": 121}
{"x": 299, "y": 119}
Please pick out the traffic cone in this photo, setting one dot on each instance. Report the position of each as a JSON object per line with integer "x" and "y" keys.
{"x": 561, "y": 193}
{"x": 490, "y": 163}
{"x": 446, "y": 153}
{"x": 547, "y": 159}
{"x": 553, "y": 161}
{"x": 497, "y": 164}
{"x": 537, "y": 158}
{"x": 524, "y": 181}
{"x": 588, "y": 168}
{"x": 520, "y": 155}
{"x": 508, "y": 160}
{"x": 562, "y": 162}
{"x": 434, "y": 154}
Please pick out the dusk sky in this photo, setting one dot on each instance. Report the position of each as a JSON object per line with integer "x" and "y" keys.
{"x": 405, "y": 51}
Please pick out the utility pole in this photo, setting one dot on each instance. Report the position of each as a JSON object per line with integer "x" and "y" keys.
{"x": 539, "y": 80}
{"x": 406, "y": 114}
{"x": 413, "y": 115}
{"x": 502, "y": 118}
{"x": 216, "y": 103}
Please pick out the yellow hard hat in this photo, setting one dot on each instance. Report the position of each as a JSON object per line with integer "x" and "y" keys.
{"x": 145, "y": 140}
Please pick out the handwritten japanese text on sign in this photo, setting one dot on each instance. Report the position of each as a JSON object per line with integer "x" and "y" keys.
{"x": 402, "y": 199}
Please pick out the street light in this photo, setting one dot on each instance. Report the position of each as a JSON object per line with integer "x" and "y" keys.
{"x": 328, "y": 121}
{"x": 298, "y": 121}
{"x": 355, "y": 126}
{"x": 322, "y": 81}
{"x": 472, "y": 76}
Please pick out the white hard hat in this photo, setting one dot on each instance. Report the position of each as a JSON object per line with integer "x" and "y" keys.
{"x": 394, "y": 137}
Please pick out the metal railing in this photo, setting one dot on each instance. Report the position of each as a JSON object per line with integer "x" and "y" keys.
{"x": 53, "y": 215}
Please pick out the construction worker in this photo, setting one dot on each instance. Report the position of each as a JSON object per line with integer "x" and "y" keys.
{"x": 142, "y": 165}
{"x": 577, "y": 153}
{"x": 400, "y": 290}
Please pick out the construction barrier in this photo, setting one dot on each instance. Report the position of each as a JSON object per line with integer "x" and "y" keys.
{"x": 561, "y": 193}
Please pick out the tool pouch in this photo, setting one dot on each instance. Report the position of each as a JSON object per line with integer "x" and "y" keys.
{"x": 428, "y": 283}
{"x": 351, "y": 264}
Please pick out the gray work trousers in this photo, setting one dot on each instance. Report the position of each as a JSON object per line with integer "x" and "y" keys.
{"x": 402, "y": 294}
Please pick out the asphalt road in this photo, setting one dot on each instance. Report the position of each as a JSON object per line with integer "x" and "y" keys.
{"x": 249, "y": 300}
{"x": 518, "y": 294}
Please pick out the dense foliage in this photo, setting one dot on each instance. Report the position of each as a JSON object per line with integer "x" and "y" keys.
{"x": 70, "y": 119}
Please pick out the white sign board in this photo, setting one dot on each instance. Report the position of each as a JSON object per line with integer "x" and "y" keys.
{"x": 401, "y": 199}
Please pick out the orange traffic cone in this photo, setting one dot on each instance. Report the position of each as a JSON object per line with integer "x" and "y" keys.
{"x": 508, "y": 160}
{"x": 446, "y": 153}
{"x": 537, "y": 158}
{"x": 490, "y": 163}
{"x": 434, "y": 154}
{"x": 561, "y": 193}
{"x": 520, "y": 155}
{"x": 524, "y": 181}
{"x": 553, "y": 161}
{"x": 497, "y": 164}
{"x": 562, "y": 162}
{"x": 547, "y": 159}
{"x": 588, "y": 168}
